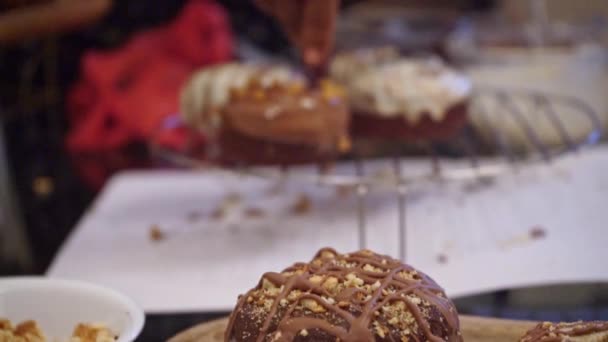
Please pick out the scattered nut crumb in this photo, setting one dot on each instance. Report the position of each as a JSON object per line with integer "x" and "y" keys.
{"x": 156, "y": 234}
{"x": 302, "y": 205}
{"x": 218, "y": 213}
{"x": 230, "y": 201}
{"x": 442, "y": 259}
{"x": 254, "y": 212}
{"x": 537, "y": 232}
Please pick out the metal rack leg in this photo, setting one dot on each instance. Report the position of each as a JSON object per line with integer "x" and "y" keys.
{"x": 402, "y": 224}
{"x": 401, "y": 198}
{"x": 361, "y": 193}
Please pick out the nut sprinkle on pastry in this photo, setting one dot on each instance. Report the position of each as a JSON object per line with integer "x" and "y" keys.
{"x": 360, "y": 296}
{"x": 568, "y": 332}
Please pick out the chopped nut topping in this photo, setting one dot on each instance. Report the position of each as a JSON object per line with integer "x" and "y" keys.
{"x": 316, "y": 279}
{"x": 370, "y": 268}
{"x": 327, "y": 255}
{"x": 353, "y": 281}
{"x": 156, "y": 234}
{"x": 313, "y": 306}
{"x": 330, "y": 284}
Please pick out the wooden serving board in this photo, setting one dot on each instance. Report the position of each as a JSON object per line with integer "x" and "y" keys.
{"x": 474, "y": 329}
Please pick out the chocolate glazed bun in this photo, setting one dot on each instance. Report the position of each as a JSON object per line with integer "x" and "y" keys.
{"x": 360, "y": 296}
{"x": 568, "y": 332}
{"x": 284, "y": 124}
{"x": 369, "y": 125}
{"x": 401, "y": 98}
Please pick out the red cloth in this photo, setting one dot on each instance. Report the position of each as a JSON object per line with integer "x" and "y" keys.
{"x": 123, "y": 96}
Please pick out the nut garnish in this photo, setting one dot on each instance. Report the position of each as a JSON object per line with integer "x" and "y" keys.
{"x": 156, "y": 234}
{"x": 302, "y": 205}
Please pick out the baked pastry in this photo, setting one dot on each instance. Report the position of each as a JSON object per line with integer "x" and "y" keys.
{"x": 284, "y": 124}
{"x": 580, "y": 72}
{"x": 265, "y": 116}
{"x": 409, "y": 99}
{"x": 360, "y": 296}
{"x": 209, "y": 89}
{"x": 568, "y": 332}
{"x": 346, "y": 66}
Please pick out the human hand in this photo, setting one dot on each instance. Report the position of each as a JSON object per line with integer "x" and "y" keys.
{"x": 309, "y": 24}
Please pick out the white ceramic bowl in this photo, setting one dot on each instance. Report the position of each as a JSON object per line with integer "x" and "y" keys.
{"x": 59, "y": 305}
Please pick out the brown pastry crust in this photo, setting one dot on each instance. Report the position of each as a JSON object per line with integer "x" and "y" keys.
{"x": 283, "y": 124}
{"x": 373, "y": 126}
{"x": 239, "y": 149}
{"x": 572, "y": 332}
{"x": 360, "y": 296}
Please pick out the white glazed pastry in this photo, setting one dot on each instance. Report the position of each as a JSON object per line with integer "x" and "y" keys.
{"x": 408, "y": 88}
{"x": 209, "y": 89}
{"x": 345, "y": 66}
{"x": 580, "y": 72}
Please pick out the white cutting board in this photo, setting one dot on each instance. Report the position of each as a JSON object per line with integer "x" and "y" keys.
{"x": 470, "y": 238}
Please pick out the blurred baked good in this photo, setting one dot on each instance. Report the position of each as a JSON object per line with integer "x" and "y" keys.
{"x": 266, "y": 115}
{"x": 404, "y": 98}
{"x": 284, "y": 124}
{"x": 346, "y": 66}
{"x": 209, "y": 89}
{"x": 568, "y": 332}
{"x": 580, "y": 72}
{"x": 360, "y": 296}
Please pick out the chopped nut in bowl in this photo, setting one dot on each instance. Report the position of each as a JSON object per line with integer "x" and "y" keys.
{"x": 44, "y": 309}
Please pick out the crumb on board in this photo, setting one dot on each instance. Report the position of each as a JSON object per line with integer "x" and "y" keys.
{"x": 537, "y": 232}
{"x": 254, "y": 212}
{"x": 156, "y": 234}
{"x": 229, "y": 202}
{"x": 442, "y": 259}
{"x": 302, "y": 205}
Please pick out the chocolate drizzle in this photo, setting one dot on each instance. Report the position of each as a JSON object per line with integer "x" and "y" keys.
{"x": 558, "y": 332}
{"x": 354, "y": 297}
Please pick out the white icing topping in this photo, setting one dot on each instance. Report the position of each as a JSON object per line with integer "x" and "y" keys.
{"x": 347, "y": 65}
{"x": 209, "y": 89}
{"x": 410, "y": 88}
{"x": 581, "y": 72}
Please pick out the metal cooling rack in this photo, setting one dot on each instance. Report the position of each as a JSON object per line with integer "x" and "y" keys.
{"x": 482, "y": 154}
